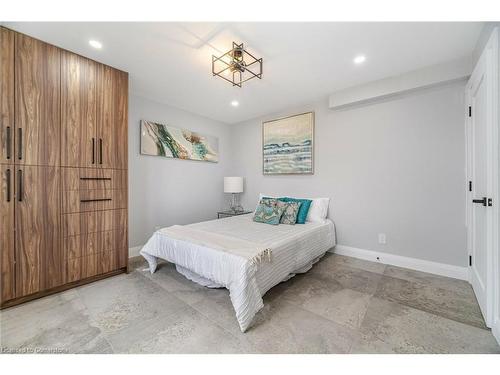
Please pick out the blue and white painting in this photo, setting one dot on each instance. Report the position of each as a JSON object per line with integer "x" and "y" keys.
{"x": 288, "y": 145}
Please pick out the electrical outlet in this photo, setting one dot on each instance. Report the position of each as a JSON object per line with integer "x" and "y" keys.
{"x": 381, "y": 238}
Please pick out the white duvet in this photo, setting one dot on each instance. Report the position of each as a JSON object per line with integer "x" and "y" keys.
{"x": 294, "y": 249}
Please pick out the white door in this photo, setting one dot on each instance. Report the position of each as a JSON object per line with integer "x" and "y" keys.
{"x": 482, "y": 96}
{"x": 478, "y": 124}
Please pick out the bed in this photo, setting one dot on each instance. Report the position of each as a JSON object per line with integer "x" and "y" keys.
{"x": 293, "y": 249}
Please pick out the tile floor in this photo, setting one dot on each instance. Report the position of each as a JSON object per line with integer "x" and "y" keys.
{"x": 342, "y": 305}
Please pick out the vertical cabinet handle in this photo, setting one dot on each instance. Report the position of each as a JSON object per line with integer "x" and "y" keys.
{"x": 100, "y": 150}
{"x": 93, "y": 150}
{"x": 8, "y": 184}
{"x": 20, "y": 185}
{"x": 8, "y": 142}
{"x": 20, "y": 144}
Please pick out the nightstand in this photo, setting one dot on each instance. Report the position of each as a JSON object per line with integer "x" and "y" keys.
{"x": 231, "y": 213}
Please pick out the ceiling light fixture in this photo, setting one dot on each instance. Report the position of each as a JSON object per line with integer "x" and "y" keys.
{"x": 359, "y": 59}
{"x": 241, "y": 65}
{"x": 95, "y": 44}
{"x": 235, "y": 103}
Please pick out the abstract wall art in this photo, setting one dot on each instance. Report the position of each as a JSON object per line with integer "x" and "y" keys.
{"x": 288, "y": 145}
{"x": 171, "y": 142}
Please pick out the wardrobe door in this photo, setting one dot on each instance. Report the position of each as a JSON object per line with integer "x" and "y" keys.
{"x": 80, "y": 232}
{"x": 7, "y": 255}
{"x": 78, "y": 111}
{"x": 112, "y": 240}
{"x": 6, "y": 95}
{"x": 37, "y": 104}
{"x": 7, "y": 252}
{"x": 37, "y": 217}
{"x": 112, "y": 118}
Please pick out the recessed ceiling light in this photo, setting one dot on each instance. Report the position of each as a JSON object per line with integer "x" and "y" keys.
{"x": 235, "y": 103}
{"x": 359, "y": 59}
{"x": 95, "y": 44}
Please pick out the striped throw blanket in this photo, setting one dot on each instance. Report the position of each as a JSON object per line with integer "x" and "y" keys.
{"x": 250, "y": 251}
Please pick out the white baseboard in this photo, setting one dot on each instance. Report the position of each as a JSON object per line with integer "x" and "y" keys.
{"x": 495, "y": 329}
{"x": 134, "y": 251}
{"x": 442, "y": 269}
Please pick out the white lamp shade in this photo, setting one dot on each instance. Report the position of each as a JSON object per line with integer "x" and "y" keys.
{"x": 233, "y": 184}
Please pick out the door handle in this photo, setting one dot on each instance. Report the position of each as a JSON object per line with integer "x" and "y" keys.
{"x": 8, "y": 184}
{"x": 95, "y": 200}
{"x": 93, "y": 150}
{"x": 8, "y": 142}
{"x": 20, "y": 144}
{"x": 20, "y": 185}
{"x": 100, "y": 150}
{"x": 482, "y": 201}
{"x": 96, "y": 178}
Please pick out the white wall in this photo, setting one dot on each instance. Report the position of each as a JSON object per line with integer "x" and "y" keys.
{"x": 484, "y": 36}
{"x": 395, "y": 167}
{"x": 165, "y": 191}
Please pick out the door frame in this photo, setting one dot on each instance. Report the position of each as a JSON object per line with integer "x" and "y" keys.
{"x": 490, "y": 54}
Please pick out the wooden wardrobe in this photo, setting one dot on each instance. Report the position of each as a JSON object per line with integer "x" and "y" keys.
{"x": 63, "y": 165}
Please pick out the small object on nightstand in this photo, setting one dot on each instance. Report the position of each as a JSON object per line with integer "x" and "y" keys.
{"x": 234, "y": 185}
{"x": 227, "y": 213}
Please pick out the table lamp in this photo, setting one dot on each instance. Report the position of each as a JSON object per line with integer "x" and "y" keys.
{"x": 234, "y": 185}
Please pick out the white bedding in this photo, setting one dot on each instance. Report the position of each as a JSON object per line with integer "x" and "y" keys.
{"x": 294, "y": 249}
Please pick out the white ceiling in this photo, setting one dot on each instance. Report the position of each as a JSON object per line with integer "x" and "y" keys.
{"x": 171, "y": 62}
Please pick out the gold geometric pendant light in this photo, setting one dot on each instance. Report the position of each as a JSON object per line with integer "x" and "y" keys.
{"x": 237, "y": 65}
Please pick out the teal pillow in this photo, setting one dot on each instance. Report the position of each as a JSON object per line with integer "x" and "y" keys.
{"x": 303, "y": 210}
{"x": 269, "y": 211}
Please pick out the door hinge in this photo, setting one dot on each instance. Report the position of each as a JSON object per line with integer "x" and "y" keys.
{"x": 470, "y": 260}
{"x": 470, "y": 185}
{"x": 470, "y": 111}
{"x": 490, "y": 202}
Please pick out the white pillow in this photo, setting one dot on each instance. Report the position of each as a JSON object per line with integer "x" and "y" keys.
{"x": 318, "y": 210}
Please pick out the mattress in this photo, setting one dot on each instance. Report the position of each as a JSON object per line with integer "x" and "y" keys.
{"x": 295, "y": 248}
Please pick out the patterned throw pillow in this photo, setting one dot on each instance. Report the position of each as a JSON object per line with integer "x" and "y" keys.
{"x": 269, "y": 211}
{"x": 290, "y": 213}
{"x": 303, "y": 210}
{"x": 305, "y": 204}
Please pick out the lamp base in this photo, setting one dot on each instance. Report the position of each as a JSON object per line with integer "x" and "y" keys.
{"x": 236, "y": 209}
{"x": 235, "y": 206}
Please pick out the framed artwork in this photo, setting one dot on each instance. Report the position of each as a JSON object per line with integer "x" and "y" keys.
{"x": 288, "y": 145}
{"x": 171, "y": 142}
